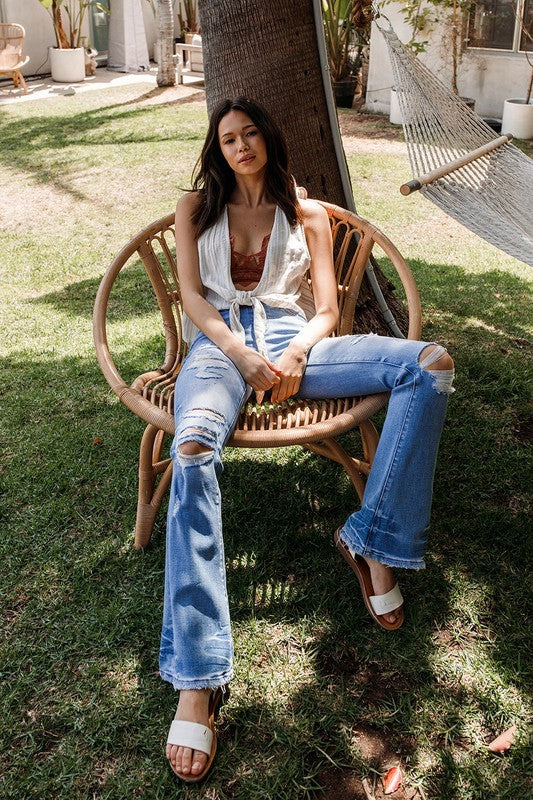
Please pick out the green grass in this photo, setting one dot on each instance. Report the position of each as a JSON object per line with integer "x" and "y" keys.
{"x": 321, "y": 698}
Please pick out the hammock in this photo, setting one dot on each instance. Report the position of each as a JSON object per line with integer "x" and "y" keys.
{"x": 458, "y": 163}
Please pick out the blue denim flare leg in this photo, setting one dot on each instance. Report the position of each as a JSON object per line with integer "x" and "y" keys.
{"x": 391, "y": 526}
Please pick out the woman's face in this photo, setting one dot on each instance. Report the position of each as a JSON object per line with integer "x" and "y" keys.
{"x": 242, "y": 143}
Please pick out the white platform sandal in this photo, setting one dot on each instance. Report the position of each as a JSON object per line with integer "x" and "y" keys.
{"x": 377, "y": 604}
{"x": 198, "y": 737}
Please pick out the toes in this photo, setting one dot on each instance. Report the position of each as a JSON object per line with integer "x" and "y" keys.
{"x": 186, "y": 760}
{"x": 174, "y": 755}
{"x": 392, "y": 616}
{"x": 198, "y": 762}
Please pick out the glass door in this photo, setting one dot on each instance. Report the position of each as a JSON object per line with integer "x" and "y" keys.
{"x": 99, "y": 22}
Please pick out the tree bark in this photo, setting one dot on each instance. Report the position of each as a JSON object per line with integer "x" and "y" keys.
{"x": 166, "y": 73}
{"x": 268, "y": 51}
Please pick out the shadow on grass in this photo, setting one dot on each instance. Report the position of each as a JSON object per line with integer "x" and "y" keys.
{"x": 132, "y": 296}
{"x": 37, "y": 145}
{"x": 87, "y": 669}
{"x": 499, "y": 300}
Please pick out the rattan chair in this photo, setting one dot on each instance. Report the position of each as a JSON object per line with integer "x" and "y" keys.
{"x": 311, "y": 423}
{"x": 11, "y": 58}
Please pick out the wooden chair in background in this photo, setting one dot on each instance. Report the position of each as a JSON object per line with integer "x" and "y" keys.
{"x": 11, "y": 58}
{"x": 314, "y": 424}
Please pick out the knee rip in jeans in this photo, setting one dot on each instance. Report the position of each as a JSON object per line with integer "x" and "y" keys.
{"x": 201, "y": 434}
{"x": 442, "y": 377}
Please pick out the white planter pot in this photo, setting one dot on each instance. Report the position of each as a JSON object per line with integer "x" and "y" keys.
{"x": 518, "y": 118}
{"x": 68, "y": 66}
{"x": 395, "y": 114}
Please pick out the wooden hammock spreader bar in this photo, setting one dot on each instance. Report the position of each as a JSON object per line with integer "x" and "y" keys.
{"x": 413, "y": 186}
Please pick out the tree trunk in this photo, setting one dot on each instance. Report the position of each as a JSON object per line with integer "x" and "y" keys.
{"x": 166, "y": 74}
{"x": 268, "y": 51}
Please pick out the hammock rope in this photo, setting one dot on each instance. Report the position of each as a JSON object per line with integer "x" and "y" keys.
{"x": 457, "y": 161}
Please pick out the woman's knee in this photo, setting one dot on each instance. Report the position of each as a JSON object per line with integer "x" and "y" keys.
{"x": 193, "y": 448}
{"x": 436, "y": 357}
{"x": 199, "y": 431}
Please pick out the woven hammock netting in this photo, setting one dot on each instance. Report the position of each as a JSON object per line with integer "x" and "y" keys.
{"x": 493, "y": 194}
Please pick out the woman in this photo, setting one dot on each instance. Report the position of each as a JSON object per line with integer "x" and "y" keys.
{"x": 249, "y": 333}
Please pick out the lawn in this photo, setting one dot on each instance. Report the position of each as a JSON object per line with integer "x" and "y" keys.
{"x": 322, "y": 698}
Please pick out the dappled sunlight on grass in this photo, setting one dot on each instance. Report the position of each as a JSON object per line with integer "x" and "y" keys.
{"x": 322, "y": 697}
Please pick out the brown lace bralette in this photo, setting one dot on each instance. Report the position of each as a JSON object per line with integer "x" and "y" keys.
{"x": 248, "y": 269}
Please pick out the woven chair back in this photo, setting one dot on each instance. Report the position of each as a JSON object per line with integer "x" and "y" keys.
{"x": 11, "y": 40}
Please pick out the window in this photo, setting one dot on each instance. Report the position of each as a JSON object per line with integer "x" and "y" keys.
{"x": 495, "y": 24}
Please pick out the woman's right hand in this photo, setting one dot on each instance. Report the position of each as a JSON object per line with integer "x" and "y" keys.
{"x": 256, "y": 370}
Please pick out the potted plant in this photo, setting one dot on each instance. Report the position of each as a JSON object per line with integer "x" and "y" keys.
{"x": 67, "y": 58}
{"x": 189, "y": 23}
{"x": 347, "y": 32}
{"x": 517, "y": 118}
{"x": 190, "y": 28}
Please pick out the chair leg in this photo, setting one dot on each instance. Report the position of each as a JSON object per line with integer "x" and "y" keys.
{"x": 22, "y": 81}
{"x": 370, "y": 440}
{"x": 356, "y": 469}
{"x": 150, "y": 495}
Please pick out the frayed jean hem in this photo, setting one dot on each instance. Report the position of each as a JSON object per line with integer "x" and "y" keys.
{"x": 377, "y": 555}
{"x": 212, "y": 683}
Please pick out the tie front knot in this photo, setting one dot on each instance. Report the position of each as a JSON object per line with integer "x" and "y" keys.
{"x": 243, "y": 298}
{"x": 259, "y": 320}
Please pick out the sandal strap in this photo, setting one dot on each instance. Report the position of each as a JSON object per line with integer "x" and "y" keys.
{"x": 190, "y": 734}
{"x": 385, "y": 603}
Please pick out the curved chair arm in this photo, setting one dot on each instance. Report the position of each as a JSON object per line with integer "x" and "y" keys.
{"x": 132, "y": 398}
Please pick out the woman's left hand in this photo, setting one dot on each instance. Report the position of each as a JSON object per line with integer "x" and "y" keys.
{"x": 292, "y": 366}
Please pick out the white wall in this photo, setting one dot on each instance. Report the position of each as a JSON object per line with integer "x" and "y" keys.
{"x": 150, "y": 26}
{"x": 39, "y": 32}
{"x": 488, "y": 76}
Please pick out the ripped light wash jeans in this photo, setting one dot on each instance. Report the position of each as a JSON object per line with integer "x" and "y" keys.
{"x": 391, "y": 526}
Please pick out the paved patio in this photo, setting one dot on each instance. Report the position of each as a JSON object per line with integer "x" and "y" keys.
{"x": 42, "y": 86}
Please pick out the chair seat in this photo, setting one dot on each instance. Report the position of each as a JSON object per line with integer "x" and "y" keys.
{"x": 8, "y": 65}
{"x": 315, "y": 424}
{"x": 272, "y": 425}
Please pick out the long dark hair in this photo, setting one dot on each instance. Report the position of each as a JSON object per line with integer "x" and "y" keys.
{"x": 214, "y": 179}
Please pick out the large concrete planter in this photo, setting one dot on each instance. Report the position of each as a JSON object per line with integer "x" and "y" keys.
{"x": 518, "y": 118}
{"x": 395, "y": 113}
{"x": 68, "y": 66}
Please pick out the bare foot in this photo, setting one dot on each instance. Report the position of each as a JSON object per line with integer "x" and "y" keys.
{"x": 383, "y": 581}
{"x": 193, "y": 706}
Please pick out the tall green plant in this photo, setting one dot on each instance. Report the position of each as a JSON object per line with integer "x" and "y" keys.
{"x": 422, "y": 16}
{"x": 69, "y": 36}
{"x": 347, "y": 31}
{"x": 189, "y": 22}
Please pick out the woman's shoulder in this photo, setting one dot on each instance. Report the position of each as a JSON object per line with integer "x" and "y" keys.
{"x": 189, "y": 202}
{"x": 314, "y": 215}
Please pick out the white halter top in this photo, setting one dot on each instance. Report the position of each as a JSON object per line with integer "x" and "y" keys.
{"x": 283, "y": 283}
